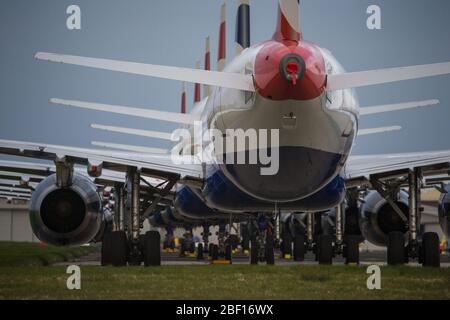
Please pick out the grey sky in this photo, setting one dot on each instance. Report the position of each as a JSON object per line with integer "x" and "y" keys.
{"x": 172, "y": 32}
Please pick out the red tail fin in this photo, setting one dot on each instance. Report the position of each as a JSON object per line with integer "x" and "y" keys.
{"x": 183, "y": 98}
{"x": 222, "y": 39}
{"x": 197, "y": 93}
{"x": 288, "y": 25}
{"x": 207, "y": 63}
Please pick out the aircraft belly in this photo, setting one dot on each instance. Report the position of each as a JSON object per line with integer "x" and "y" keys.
{"x": 313, "y": 145}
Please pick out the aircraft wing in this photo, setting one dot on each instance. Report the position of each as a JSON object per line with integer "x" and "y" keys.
{"x": 394, "y": 165}
{"x": 213, "y": 78}
{"x": 158, "y": 166}
{"x": 382, "y": 76}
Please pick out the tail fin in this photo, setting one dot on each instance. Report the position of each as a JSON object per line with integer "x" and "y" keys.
{"x": 288, "y": 25}
{"x": 221, "y": 59}
{"x": 183, "y": 97}
{"x": 197, "y": 89}
{"x": 242, "y": 27}
{"x": 207, "y": 62}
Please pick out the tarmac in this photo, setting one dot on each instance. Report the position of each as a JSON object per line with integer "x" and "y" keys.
{"x": 173, "y": 259}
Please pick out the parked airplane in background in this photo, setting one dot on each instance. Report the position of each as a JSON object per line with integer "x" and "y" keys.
{"x": 285, "y": 84}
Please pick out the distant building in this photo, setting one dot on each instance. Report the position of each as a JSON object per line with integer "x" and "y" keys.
{"x": 15, "y": 222}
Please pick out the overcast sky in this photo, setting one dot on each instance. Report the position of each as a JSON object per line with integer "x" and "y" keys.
{"x": 172, "y": 32}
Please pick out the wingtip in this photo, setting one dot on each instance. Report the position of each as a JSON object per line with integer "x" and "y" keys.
{"x": 436, "y": 101}
{"x": 55, "y": 101}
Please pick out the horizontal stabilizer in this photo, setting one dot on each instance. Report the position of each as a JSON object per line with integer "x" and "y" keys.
{"x": 213, "y": 78}
{"x": 363, "y": 111}
{"x": 380, "y": 76}
{"x": 16, "y": 190}
{"x": 125, "y": 147}
{"x": 23, "y": 176}
{"x": 5, "y": 194}
{"x": 15, "y": 183}
{"x": 134, "y": 132}
{"x": 365, "y": 132}
{"x": 136, "y": 112}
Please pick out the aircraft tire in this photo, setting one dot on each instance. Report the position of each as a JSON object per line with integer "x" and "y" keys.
{"x": 352, "y": 249}
{"x": 254, "y": 251}
{"x": 114, "y": 249}
{"x": 270, "y": 255}
{"x": 152, "y": 249}
{"x": 200, "y": 251}
{"x": 325, "y": 249}
{"x": 430, "y": 250}
{"x": 215, "y": 252}
{"x": 299, "y": 247}
{"x": 396, "y": 248}
{"x": 228, "y": 251}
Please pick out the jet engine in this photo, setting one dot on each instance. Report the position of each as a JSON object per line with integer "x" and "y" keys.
{"x": 378, "y": 218}
{"x": 444, "y": 211}
{"x": 72, "y": 215}
{"x": 168, "y": 217}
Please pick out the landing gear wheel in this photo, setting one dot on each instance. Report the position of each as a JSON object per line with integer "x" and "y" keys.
{"x": 228, "y": 251}
{"x": 254, "y": 252}
{"x": 215, "y": 252}
{"x": 351, "y": 249}
{"x": 152, "y": 249}
{"x": 210, "y": 249}
{"x": 286, "y": 246}
{"x": 299, "y": 247}
{"x": 183, "y": 248}
{"x": 396, "y": 248}
{"x": 430, "y": 250}
{"x": 270, "y": 255}
{"x": 325, "y": 249}
{"x": 115, "y": 249}
{"x": 245, "y": 243}
{"x": 200, "y": 251}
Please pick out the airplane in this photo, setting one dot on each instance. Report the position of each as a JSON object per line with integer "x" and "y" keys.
{"x": 285, "y": 85}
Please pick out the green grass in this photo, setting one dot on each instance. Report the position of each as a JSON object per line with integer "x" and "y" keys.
{"x": 224, "y": 282}
{"x": 23, "y": 276}
{"x": 14, "y": 254}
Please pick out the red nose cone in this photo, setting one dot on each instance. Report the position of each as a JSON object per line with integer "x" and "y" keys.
{"x": 290, "y": 72}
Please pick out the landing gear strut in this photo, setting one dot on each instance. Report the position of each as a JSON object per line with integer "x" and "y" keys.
{"x": 426, "y": 249}
{"x": 262, "y": 242}
{"x": 125, "y": 243}
{"x": 223, "y": 250}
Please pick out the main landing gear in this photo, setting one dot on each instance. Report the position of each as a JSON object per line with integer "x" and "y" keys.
{"x": 262, "y": 241}
{"x": 324, "y": 236}
{"x": 125, "y": 244}
{"x": 405, "y": 246}
{"x": 221, "y": 253}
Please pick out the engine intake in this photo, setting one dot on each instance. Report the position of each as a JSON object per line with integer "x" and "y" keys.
{"x": 378, "y": 218}
{"x": 67, "y": 216}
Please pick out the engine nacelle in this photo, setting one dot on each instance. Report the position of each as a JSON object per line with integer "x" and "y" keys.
{"x": 168, "y": 217}
{"x": 67, "y": 216}
{"x": 378, "y": 218}
{"x": 444, "y": 211}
